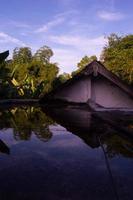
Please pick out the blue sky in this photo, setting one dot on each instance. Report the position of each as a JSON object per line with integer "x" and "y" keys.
{"x": 72, "y": 28}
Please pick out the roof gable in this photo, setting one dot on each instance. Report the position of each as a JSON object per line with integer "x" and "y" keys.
{"x": 94, "y": 68}
{"x": 97, "y": 67}
{"x": 4, "y": 55}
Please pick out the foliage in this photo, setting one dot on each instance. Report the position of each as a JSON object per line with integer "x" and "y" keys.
{"x": 117, "y": 55}
{"x": 27, "y": 75}
{"x": 83, "y": 62}
{"x": 62, "y": 78}
{"x": 22, "y": 55}
{"x": 39, "y": 78}
{"x": 43, "y": 54}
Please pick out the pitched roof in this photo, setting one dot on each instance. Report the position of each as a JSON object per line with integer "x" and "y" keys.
{"x": 97, "y": 67}
{"x": 4, "y": 55}
{"x": 94, "y": 68}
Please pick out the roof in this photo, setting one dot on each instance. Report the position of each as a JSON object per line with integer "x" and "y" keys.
{"x": 4, "y": 55}
{"x": 95, "y": 68}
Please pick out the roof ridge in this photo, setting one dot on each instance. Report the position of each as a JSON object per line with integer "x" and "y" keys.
{"x": 95, "y": 68}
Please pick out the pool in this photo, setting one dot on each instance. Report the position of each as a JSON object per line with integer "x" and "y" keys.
{"x": 63, "y": 154}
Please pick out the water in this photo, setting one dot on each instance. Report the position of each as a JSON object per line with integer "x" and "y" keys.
{"x": 63, "y": 154}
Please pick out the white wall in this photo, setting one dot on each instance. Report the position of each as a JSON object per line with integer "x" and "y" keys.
{"x": 109, "y": 95}
{"x": 79, "y": 91}
{"x": 100, "y": 90}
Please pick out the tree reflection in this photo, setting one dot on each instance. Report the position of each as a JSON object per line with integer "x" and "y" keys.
{"x": 93, "y": 130}
{"x": 116, "y": 146}
{"x": 25, "y": 122}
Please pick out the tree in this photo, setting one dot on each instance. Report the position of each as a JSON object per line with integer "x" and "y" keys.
{"x": 83, "y": 62}
{"x": 62, "y": 78}
{"x": 117, "y": 55}
{"x": 32, "y": 75}
{"x": 22, "y": 55}
{"x": 43, "y": 54}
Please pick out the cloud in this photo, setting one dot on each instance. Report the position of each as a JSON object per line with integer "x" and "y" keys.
{"x": 110, "y": 16}
{"x": 79, "y": 42}
{"x": 73, "y": 48}
{"x": 66, "y": 58}
{"x": 50, "y": 24}
{"x": 57, "y": 20}
{"x": 5, "y": 38}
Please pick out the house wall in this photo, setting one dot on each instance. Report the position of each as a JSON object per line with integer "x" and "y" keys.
{"x": 109, "y": 95}
{"x": 79, "y": 91}
{"x": 100, "y": 90}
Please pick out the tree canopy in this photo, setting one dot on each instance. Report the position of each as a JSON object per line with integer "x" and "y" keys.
{"x": 30, "y": 75}
{"x": 117, "y": 56}
{"x": 83, "y": 62}
{"x": 44, "y": 54}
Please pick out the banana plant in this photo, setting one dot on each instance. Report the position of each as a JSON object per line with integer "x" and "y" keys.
{"x": 11, "y": 87}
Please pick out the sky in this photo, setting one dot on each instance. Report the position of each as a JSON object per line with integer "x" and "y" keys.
{"x": 71, "y": 28}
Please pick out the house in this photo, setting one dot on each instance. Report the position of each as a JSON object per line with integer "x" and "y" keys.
{"x": 95, "y": 86}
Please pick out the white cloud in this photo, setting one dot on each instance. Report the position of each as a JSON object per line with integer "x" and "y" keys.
{"x": 79, "y": 42}
{"x": 51, "y": 24}
{"x": 5, "y": 38}
{"x": 57, "y": 20}
{"x": 110, "y": 16}
{"x": 66, "y": 58}
{"x": 75, "y": 47}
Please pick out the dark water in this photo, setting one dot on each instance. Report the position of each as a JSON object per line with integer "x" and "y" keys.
{"x": 64, "y": 154}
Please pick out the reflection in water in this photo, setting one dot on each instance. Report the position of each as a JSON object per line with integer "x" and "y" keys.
{"x": 91, "y": 128}
{"x": 26, "y": 120}
{"x": 84, "y": 159}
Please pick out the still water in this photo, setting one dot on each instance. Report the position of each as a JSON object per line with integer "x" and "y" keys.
{"x": 63, "y": 154}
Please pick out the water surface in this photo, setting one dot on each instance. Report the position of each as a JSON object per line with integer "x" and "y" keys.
{"x": 63, "y": 154}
